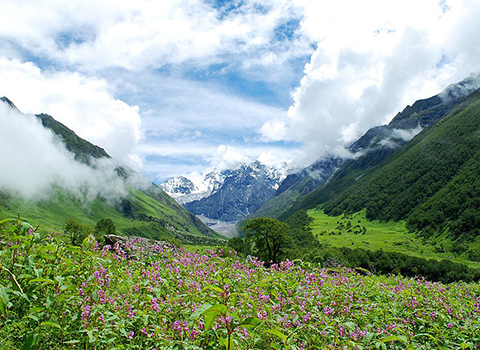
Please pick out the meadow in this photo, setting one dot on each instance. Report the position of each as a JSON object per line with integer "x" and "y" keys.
{"x": 356, "y": 231}
{"x": 54, "y": 295}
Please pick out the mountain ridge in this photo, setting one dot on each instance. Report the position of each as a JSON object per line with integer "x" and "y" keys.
{"x": 380, "y": 142}
{"x": 146, "y": 206}
{"x": 430, "y": 182}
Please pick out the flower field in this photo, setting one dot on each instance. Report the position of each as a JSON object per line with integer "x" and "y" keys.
{"x": 57, "y": 296}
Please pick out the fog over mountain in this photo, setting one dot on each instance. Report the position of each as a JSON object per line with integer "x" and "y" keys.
{"x": 34, "y": 160}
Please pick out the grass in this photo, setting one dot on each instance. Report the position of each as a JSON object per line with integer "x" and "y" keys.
{"x": 60, "y": 206}
{"x": 356, "y": 231}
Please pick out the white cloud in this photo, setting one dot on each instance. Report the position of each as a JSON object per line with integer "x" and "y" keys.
{"x": 274, "y": 130}
{"x": 179, "y": 105}
{"x": 227, "y": 157}
{"x": 205, "y": 158}
{"x": 373, "y": 60}
{"x": 35, "y": 160}
{"x": 406, "y": 135}
{"x": 84, "y": 104}
{"x": 96, "y": 34}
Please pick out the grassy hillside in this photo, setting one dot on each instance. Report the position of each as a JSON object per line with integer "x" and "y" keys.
{"x": 138, "y": 214}
{"x": 148, "y": 212}
{"x": 432, "y": 168}
{"x": 355, "y": 231}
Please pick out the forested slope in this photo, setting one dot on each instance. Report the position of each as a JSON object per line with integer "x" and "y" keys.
{"x": 431, "y": 181}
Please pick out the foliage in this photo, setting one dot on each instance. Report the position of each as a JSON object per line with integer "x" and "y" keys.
{"x": 151, "y": 215}
{"x": 241, "y": 246}
{"x": 104, "y": 227}
{"x": 380, "y": 247}
{"x": 270, "y": 237}
{"x": 78, "y": 231}
{"x": 431, "y": 172}
{"x": 55, "y": 295}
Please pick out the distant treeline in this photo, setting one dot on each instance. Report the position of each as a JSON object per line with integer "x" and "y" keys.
{"x": 303, "y": 245}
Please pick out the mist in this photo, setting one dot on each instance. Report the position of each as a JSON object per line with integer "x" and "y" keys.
{"x": 35, "y": 161}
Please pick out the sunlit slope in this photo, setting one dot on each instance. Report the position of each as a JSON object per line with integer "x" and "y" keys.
{"x": 355, "y": 231}
{"x": 138, "y": 214}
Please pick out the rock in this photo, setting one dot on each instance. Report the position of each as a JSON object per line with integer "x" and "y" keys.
{"x": 332, "y": 263}
{"x": 137, "y": 246}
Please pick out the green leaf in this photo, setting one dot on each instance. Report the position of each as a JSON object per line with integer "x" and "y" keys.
{"x": 50, "y": 324}
{"x": 41, "y": 279}
{"x": 215, "y": 288}
{"x": 425, "y": 335}
{"x": 4, "y": 300}
{"x": 275, "y": 346}
{"x": 33, "y": 317}
{"x": 199, "y": 311}
{"x": 91, "y": 339}
{"x": 30, "y": 342}
{"x": 350, "y": 325}
{"x": 400, "y": 338}
{"x": 250, "y": 322}
{"x": 278, "y": 334}
{"x": 212, "y": 313}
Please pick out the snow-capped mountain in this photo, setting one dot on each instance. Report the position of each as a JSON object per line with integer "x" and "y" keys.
{"x": 178, "y": 187}
{"x": 183, "y": 190}
{"x": 230, "y": 194}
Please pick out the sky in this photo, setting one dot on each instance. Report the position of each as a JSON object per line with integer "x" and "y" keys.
{"x": 178, "y": 87}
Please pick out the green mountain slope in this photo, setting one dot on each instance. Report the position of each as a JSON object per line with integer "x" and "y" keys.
{"x": 374, "y": 146}
{"x": 145, "y": 210}
{"x": 431, "y": 182}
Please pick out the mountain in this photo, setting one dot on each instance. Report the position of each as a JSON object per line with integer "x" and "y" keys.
{"x": 228, "y": 195}
{"x": 296, "y": 185}
{"x": 180, "y": 188}
{"x": 381, "y": 142}
{"x": 185, "y": 191}
{"x": 369, "y": 150}
{"x": 431, "y": 182}
{"x": 142, "y": 209}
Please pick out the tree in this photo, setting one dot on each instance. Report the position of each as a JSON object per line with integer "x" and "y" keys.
{"x": 239, "y": 245}
{"x": 78, "y": 231}
{"x": 270, "y": 237}
{"x": 104, "y": 227}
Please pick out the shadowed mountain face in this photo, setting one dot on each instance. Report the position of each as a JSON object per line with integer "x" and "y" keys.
{"x": 380, "y": 142}
{"x": 371, "y": 149}
{"x": 241, "y": 192}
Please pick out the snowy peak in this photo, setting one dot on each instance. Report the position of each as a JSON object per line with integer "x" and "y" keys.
{"x": 179, "y": 186}
{"x": 229, "y": 194}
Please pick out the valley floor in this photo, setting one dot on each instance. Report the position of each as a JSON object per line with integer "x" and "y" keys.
{"x": 356, "y": 231}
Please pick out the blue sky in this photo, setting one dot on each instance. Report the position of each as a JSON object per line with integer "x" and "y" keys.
{"x": 180, "y": 87}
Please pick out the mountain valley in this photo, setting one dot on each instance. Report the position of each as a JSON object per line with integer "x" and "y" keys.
{"x": 136, "y": 206}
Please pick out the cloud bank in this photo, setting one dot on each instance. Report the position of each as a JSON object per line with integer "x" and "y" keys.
{"x": 370, "y": 62}
{"x": 84, "y": 104}
{"x": 35, "y": 161}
